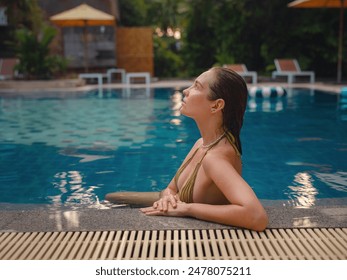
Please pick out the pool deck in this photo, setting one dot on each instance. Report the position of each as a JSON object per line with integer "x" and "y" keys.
{"x": 15, "y": 223}
{"x": 67, "y": 86}
{"x": 330, "y": 214}
{"x": 315, "y": 233}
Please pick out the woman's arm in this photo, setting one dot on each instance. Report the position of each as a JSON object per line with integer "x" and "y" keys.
{"x": 245, "y": 210}
{"x": 233, "y": 215}
{"x": 171, "y": 189}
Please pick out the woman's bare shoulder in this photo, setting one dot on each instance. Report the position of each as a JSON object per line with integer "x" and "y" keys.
{"x": 222, "y": 154}
{"x": 223, "y": 151}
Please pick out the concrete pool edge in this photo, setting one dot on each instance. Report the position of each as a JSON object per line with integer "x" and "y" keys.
{"x": 66, "y": 87}
{"x": 35, "y": 220}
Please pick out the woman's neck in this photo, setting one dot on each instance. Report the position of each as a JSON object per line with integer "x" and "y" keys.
{"x": 210, "y": 132}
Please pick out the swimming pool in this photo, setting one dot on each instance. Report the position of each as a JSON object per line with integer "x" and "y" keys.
{"x": 71, "y": 151}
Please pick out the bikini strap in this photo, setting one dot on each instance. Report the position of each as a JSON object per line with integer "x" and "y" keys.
{"x": 183, "y": 166}
{"x": 232, "y": 141}
{"x": 186, "y": 192}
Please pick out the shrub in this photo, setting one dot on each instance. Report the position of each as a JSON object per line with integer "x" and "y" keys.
{"x": 33, "y": 52}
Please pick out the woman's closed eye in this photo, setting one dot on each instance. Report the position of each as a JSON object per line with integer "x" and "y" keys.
{"x": 195, "y": 85}
{"x": 198, "y": 85}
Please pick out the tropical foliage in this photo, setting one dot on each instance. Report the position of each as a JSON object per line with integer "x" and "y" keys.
{"x": 34, "y": 56}
{"x": 31, "y": 40}
{"x": 255, "y": 32}
{"x": 232, "y": 31}
{"x": 217, "y": 32}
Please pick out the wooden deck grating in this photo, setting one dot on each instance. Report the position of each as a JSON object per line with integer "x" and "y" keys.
{"x": 218, "y": 244}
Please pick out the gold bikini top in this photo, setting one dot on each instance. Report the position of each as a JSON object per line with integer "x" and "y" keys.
{"x": 186, "y": 192}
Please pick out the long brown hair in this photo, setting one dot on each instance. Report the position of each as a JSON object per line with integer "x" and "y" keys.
{"x": 232, "y": 88}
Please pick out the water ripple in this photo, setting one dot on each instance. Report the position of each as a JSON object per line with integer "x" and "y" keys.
{"x": 337, "y": 181}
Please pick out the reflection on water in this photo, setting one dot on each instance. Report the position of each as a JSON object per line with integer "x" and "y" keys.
{"x": 337, "y": 180}
{"x": 84, "y": 157}
{"x": 176, "y": 100}
{"x": 304, "y": 194}
{"x": 68, "y": 218}
{"x": 265, "y": 105}
{"x": 176, "y": 103}
{"x": 299, "y": 163}
{"x": 304, "y": 222}
{"x": 70, "y": 190}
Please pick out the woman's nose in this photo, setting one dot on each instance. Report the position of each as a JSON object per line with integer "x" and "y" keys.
{"x": 185, "y": 92}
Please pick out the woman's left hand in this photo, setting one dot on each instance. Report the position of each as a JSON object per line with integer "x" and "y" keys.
{"x": 179, "y": 211}
{"x": 163, "y": 203}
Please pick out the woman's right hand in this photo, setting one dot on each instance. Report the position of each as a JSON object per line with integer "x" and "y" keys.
{"x": 163, "y": 203}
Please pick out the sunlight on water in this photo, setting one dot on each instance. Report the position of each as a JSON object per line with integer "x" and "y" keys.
{"x": 304, "y": 194}
{"x": 337, "y": 180}
{"x": 72, "y": 183}
{"x": 69, "y": 219}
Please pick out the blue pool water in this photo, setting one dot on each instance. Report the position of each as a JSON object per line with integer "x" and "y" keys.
{"x": 71, "y": 151}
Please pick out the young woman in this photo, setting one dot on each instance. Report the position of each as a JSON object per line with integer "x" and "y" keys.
{"x": 209, "y": 185}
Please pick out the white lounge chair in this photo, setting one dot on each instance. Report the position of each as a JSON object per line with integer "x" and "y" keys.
{"x": 290, "y": 68}
{"x": 242, "y": 70}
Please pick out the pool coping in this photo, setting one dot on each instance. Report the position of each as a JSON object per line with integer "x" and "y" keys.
{"x": 25, "y": 88}
{"x": 126, "y": 218}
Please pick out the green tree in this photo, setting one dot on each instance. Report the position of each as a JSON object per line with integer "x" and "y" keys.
{"x": 198, "y": 37}
{"x": 133, "y": 13}
{"x": 167, "y": 62}
{"x": 232, "y": 31}
{"x": 166, "y": 14}
{"x": 163, "y": 15}
{"x": 24, "y": 14}
{"x": 31, "y": 38}
{"x": 34, "y": 56}
{"x": 256, "y": 32}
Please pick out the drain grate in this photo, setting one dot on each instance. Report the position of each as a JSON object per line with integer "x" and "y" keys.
{"x": 236, "y": 244}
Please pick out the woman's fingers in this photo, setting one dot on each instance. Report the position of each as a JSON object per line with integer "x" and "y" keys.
{"x": 150, "y": 211}
{"x": 164, "y": 202}
{"x": 147, "y": 209}
{"x": 178, "y": 211}
{"x": 173, "y": 201}
{"x": 164, "y": 205}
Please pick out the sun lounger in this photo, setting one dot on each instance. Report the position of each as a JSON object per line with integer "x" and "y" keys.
{"x": 111, "y": 71}
{"x": 98, "y": 76}
{"x": 290, "y": 68}
{"x": 241, "y": 69}
{"x": 145, "y": 75}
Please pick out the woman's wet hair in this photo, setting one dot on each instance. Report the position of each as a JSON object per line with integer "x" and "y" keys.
{"x": 232, "y": 88}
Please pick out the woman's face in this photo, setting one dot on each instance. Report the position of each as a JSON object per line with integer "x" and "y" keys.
{"x": 195, "y": 101}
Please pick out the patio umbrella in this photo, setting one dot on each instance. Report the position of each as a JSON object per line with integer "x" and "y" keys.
{"x": 341, "y": 4}
{"x": 83, "y": 16}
